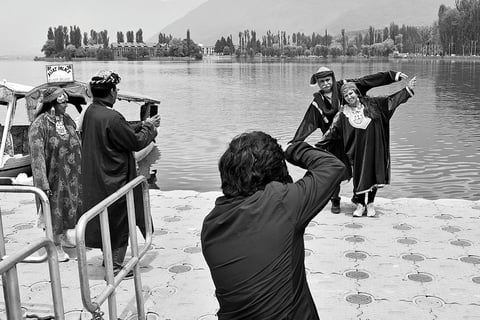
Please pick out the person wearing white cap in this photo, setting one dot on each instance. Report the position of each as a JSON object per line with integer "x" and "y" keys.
{"x": 363, "y": 128}
{"x": 325, "y": 105}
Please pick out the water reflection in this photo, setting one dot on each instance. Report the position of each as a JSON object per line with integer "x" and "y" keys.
{"x": 435, "y": 136}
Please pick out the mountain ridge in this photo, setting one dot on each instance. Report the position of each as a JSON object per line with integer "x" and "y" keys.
{"x": 216, "y": 18}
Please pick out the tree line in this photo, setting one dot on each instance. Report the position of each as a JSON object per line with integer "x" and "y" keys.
{"x": 457, "y": 31}
{"x": 69, "y": 42}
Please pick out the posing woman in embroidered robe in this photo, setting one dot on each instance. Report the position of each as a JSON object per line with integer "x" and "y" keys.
{"x": 363, "y": 128}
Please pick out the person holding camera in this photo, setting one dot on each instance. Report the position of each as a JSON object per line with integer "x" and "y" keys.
{"x": 252, "y": 240}
{"x": 108, "y": 143}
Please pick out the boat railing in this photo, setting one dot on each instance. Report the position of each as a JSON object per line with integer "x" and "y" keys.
{"x": 101, "y": 209}
{"x": 8, "y": 263}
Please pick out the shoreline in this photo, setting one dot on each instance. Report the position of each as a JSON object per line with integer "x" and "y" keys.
{"x": 256, "y": 59}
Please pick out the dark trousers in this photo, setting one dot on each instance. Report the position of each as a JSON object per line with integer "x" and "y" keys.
{"x": 118, "y": 255}
{"x": 360, "y": 198}
{"x": 336, "y": 194}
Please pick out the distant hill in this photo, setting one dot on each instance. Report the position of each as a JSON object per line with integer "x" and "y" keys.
{"x": 216, "y": 18}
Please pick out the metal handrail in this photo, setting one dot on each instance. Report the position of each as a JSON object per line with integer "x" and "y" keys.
{"x": 45, "y": 207}
{"x": 8, "y": 264}
{"x": 132, "y": 264}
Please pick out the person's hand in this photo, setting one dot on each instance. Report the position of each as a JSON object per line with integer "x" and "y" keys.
{"x": 411, "y": 84}
{"x": 402, "y": 76}
{"x": 155, "y": 120}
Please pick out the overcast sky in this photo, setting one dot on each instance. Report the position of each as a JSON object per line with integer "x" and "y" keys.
{"x": 24, "y": 24}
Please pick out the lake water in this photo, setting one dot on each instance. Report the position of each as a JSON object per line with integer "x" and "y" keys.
{"x": 435, "y": 136}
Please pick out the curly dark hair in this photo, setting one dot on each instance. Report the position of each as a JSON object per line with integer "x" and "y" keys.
{"x": 102, "y": 90}
{"x": 252, "y": 160}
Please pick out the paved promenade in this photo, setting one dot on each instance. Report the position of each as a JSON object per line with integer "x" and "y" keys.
{"x": 416, "y": 259}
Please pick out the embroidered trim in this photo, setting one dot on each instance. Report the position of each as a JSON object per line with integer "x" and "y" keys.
{"x": 378, "y": 186}
{"x": 356, "y": 117}
{"x": 325, "y": 119}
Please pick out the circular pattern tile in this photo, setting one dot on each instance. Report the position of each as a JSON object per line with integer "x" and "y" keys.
{"x": 471, "y": 259}
{"x": 23, "y": 226}
{"x": 192, "y": 250}
{"x": 149, "y": 316}
{"x": 428, "y": 301}
{"x": 183, "y": 208}
{"x": 355, "y": 239}
{"x": 208, "y": 317}
{"x": 7, "y": 212}
{"x": 163, "y": 292}
{"x": 407, "y": 240}
{"x": 9, "y": 240}
{"x": 444, "y": 216}
{"x": 420, "y": 277}
{"x": 357, "y": 274}
{"x": 359, "y": 298}
{"x": 180, "y": 268}
{"x": 40, "y": 286}
{"x": 172, "y": 219}
{"x": 308, "y": 237}
{"x": 451, "y": 229}
{"x": 476, "y": 280}
{"x": 23, "y": 311}
{"x": 160, "y": 232}
{"x": 402, "y": 226}
{"x": 357, "y": 255}
{"x": 353, "y": 225}
{"x": 413, "y": 257}
{"x": 312, "y": 224}
{"x": 78, "y": 315}
{"x": 461, "y": 243}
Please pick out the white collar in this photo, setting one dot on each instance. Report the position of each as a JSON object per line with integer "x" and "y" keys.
{"x": 356, "y": 116}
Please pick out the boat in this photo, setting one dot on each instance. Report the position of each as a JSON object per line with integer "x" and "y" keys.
{"x": 14, "y": 152}
{"x": 15, "y": 96}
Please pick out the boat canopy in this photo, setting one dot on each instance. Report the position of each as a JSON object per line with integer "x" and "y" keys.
{"x": 79, "y": 94}
{"x": 9, "y": 90}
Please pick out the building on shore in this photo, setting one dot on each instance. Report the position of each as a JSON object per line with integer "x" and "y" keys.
{"x": 126, "y": 49}
{"x": 207, "y": 50}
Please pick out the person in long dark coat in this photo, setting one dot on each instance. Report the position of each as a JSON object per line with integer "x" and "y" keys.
{"x": 252, "y": 240}
{"x": 363, "y": 128}
{"x": 108, "y": 143}
{"x": 326, "y": 104}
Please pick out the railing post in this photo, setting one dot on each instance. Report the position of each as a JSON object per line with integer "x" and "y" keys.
{"x": 11, "y": 291}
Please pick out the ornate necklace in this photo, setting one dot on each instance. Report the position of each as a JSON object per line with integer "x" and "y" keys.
{"x": 60, "y": 126}
{"x": 358, "y": 115}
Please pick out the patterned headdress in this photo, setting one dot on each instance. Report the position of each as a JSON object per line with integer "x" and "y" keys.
{"x": 348, "y": 86}
{"x": 105, "y": 77}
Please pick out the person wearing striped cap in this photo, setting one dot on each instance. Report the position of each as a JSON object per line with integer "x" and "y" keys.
{"x": 108, "y": 143}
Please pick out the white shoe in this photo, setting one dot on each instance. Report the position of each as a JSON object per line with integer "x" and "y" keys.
{"x": 371, "y": 210}
{"x": 359, "y": 211}
{"x": 68, "y": 239}
{"x": 62, "y": 255}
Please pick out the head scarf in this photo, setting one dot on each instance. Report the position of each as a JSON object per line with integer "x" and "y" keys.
{"x": 53, "y": 93}
{"x": 49, "y": 95}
